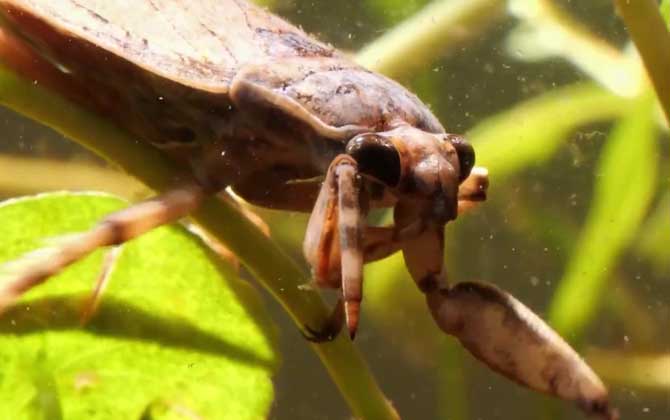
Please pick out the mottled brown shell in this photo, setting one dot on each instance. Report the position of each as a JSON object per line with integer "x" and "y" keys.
{"x": 200, "y": 44}
{"x": 166, "y": 69}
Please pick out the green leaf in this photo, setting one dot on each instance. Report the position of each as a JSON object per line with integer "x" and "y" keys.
{"x": 624, "y": 186}
{"x": 532, "y": 131}
{"x": 177, "y": 335}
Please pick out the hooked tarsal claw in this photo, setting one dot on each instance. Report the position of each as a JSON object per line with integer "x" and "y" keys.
{"x": 351, "y": 312}
{"x": 323, "y": 335}
{"x": 330, "y": 330}
{"x": 503, "y": 333}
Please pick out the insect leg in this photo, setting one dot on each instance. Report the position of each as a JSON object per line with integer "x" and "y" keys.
{"x": 93, "y": 302}
{"x": 350, "y": 226}
{"x": 247, "y": 211}
{"x": 503, "y": 333}
{"x": 35, "y": 267}
{"x": 379, "y": 242}
{"x": 333, "y": 244}
{"x": 321, "y": 245}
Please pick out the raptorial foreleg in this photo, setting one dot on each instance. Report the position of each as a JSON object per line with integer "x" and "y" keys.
{"x": 507, "y": 336}
{"x": 351, "y": 220}
{"x": 503, "y": 333}
{"x": 333, "y": 243}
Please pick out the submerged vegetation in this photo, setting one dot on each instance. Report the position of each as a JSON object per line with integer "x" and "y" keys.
{"x": 560, "y": 108}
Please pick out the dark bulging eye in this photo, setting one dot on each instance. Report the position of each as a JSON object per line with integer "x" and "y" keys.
{"x": 466, "y": 154}
{"x": 376, "y": 156}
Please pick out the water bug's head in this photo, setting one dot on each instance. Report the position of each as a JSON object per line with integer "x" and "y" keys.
{"x": 422, "y": 170}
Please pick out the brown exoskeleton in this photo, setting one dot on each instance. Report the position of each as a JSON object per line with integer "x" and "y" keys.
{"x": 242, "y": 99}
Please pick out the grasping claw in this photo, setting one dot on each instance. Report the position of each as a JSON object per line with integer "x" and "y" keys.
{"x": 333, "y": 242}
{"x": 503, "y": 333}
{"x": 330, "y": 330}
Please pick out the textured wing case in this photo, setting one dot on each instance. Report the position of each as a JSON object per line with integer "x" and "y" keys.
{"x": 160, "y": 68}
{"x": 176, "y": 72}
{"x": 201, "y": 43}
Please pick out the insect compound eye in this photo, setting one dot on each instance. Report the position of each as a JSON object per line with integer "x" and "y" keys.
{"x": 466, "y": 154}
{"x": 377, "y": 157}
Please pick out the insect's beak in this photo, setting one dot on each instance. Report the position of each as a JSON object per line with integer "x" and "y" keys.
{"x": 435, "y": 195}
{"x": 432, "y": 210}
{"x": 445, "y": 207}
{"x": 424, "y": 247}
{"x": 443, "y": 203}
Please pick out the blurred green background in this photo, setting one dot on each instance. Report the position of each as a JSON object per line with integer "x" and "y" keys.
{"x": 577, "y": 226}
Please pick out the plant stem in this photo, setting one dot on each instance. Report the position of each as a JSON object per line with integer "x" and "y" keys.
{"x": 647, "y": 29}
{"x": 427, "y": 35}
{"x": 23, "y": 176}
{"x": 275, "y": 271}
{"x": 648, "y": 371}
